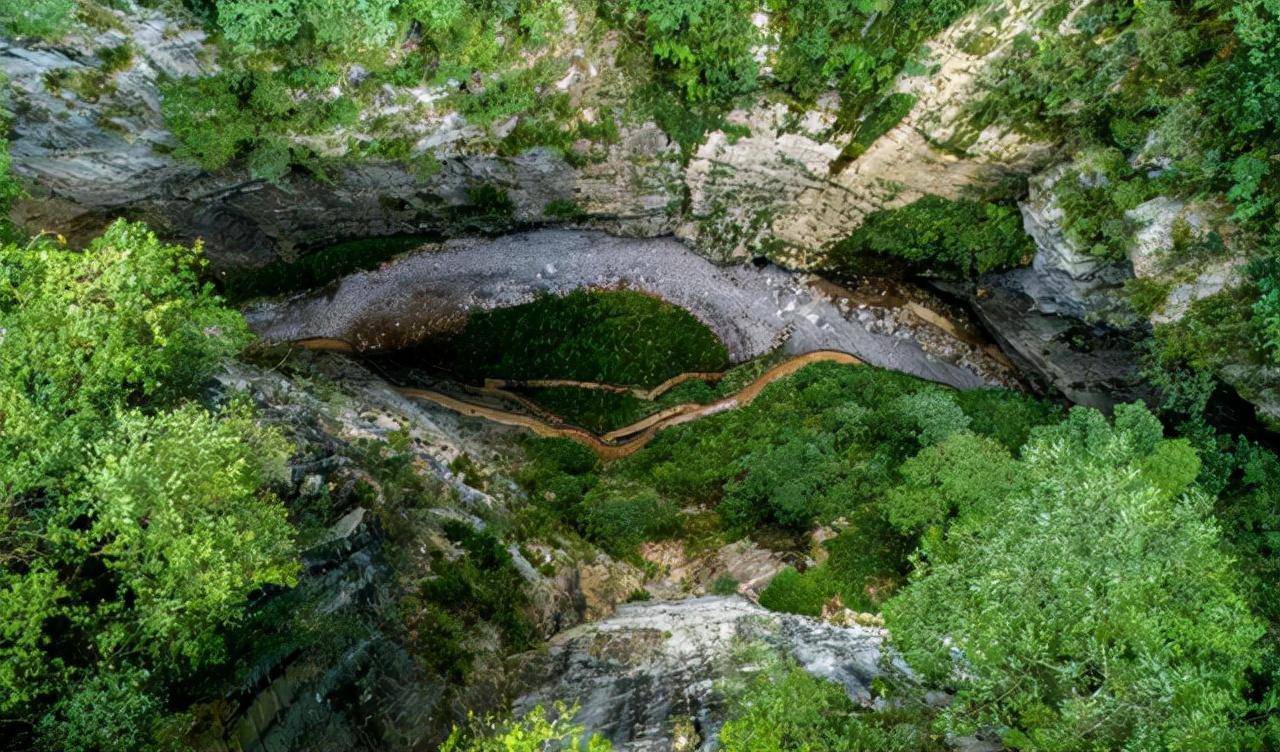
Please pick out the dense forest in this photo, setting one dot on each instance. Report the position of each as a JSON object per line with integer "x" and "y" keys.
{"x": 1069, "y": 578}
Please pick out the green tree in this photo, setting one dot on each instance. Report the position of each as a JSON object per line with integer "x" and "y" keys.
{"x": 1097, "y": 610}
{"x": 179, "y": 507}
{"x": 125, "y": 323}
{"x": 337, "y": 26}
{"x": 704, "y": 46}
{"x": 134, "y": 524}
{"x": 965, "y": 475}
{"x": 789, "y": 483}
{"x": 620, "y": 517}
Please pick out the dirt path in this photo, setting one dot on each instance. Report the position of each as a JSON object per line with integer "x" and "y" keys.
{"x": 629, "y": 439}
{"x": 635, "y": 391}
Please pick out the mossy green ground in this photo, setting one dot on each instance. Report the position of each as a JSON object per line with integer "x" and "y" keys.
{"x": 618, "y": 337}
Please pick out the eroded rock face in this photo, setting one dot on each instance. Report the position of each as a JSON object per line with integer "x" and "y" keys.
{"x": 88, "y": 157}
{"x": 784, "y": 189}
{"x": 1089, "y": 364}
{"x": 648, "y": 673}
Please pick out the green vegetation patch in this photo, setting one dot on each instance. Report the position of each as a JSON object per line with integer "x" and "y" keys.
{"x": 950, "y": 238}
{"x": 820, "y": 445}
{"x": 315, "y": 269}
{"x": 1056, "y": 587}
{"x": 42, "y": 19}
{"x": 136, "y": 521}
{"x": 779, "y": 706}
{"x": 884, "y": 116}
{"x": 1158, "y": 99}
{"x": 479, "y": 587}
{"x": 615, "y": 337}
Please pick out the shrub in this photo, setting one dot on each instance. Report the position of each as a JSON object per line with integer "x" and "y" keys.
{"x": 782, "y": 707}
{"x": 934, "y": 235}
{"x": 923, "y": 418}
{"x": 112, "y": 712}
{"x": 1266, "y": 309}
{"x": 725, "y": 584}
{"x": 792, "y": 592}
{"x": 789, "y": 484}
{"x": 43, "y": 19}
{"x": 865, "y": 565}
{"x": 536, "y": 732}
{"x": 620, "y": 517}
{"x": 703, "y": 46}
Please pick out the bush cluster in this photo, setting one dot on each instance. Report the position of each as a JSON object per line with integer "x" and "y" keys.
{"x": 134, "y": 521}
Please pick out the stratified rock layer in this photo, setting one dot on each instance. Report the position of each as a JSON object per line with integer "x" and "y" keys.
{"x": 784, "y": 190}
{"x": 651, "y": 668}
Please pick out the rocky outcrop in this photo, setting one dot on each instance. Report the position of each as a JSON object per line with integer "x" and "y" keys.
{"x": 1162, "y": 225}
{"x": 648, "y": 673}
{"x": 1183, "y": 251}
{"x": 1089, "y": 364}
{"x": 790, "y": 188}
{"x": 95, "y": 147}
{"x": 744, "y": 566}
{"x": 752, "y": 310}
{"x": 329, "y": 669}
{"x": 1064, "y": 320}
{"x": 1069, "y": 321}
{"x": 1063, "y": 278}
{"x": 91, "y": 153}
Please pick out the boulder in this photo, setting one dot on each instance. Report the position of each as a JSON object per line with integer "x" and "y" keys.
{"x": 645, "y": 674}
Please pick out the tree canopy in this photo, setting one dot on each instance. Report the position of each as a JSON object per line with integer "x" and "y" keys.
{"x": 1094, "y": 607}
{"x": 134, "y": 520}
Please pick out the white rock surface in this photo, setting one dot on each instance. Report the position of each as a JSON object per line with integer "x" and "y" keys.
{"x": 649, "y": 664}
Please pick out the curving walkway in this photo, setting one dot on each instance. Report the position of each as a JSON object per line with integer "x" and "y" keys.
{"x": 635, "y": 391}
{"x": 628, "y": 439}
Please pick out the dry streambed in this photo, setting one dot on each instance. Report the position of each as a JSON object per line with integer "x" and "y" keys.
{"x": 752, "y": 310}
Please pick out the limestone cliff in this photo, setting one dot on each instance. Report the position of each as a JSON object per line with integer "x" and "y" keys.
{"x": 89, "y": 141}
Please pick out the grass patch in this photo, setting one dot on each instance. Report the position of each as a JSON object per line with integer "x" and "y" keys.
{"x": 615, "y": 337}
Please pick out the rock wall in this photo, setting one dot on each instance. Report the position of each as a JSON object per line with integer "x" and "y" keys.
{"x": 88, "y": 157}
{"x": 90, "y": 154}
{"x": 362, "y": 685}
{"x": 1067, "y": 319}
{"x": 1064, "y": 319}
{"x": 645, "y": 677}
{"x": 785, "y": 191}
